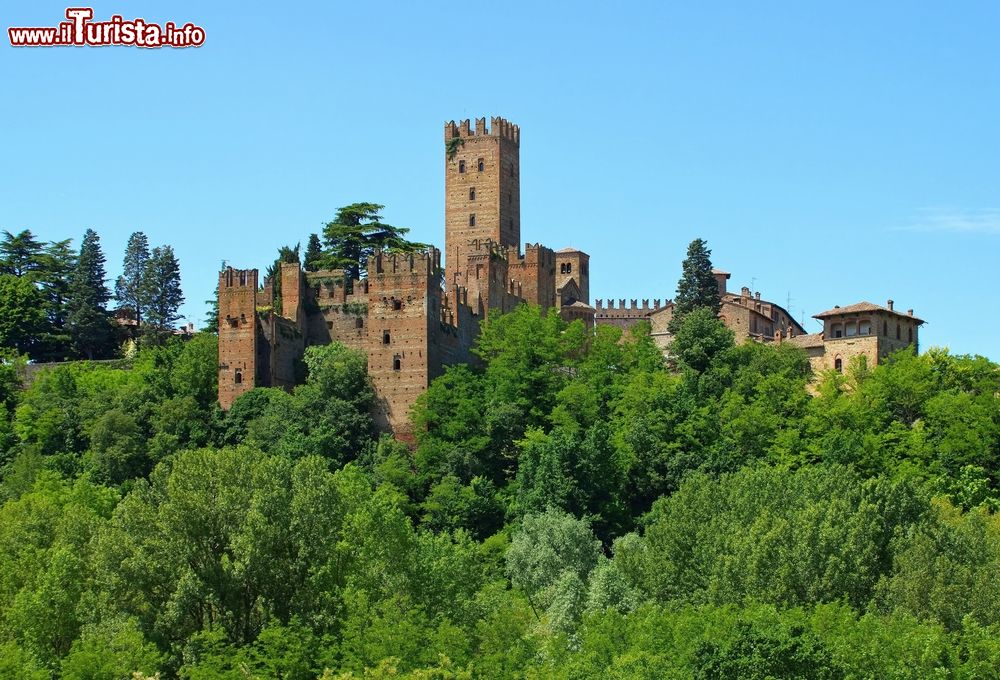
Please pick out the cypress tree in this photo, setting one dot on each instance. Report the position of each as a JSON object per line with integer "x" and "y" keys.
{"x": 697, "y": 287}
{"x": 91, "y": 332}
{"x": 314, "y": 251}
{"x": 161, "y": 289}
{"x": 129, "y": 289}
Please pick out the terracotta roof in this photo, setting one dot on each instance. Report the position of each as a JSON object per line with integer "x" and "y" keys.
{"x": 569, "y": 250}
{"x": 861, "y": 307}
{"x": 805, "y": 341}
{"x": 580, "y": 305}
{"x": 720, "y": 271}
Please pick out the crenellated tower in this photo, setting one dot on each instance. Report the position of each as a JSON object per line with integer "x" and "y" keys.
{"x": 482, "y": 189}
{"x": 238, "y": 336}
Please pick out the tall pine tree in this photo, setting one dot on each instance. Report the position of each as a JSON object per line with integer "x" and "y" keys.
{"x": 314, "y": 251}
{"x": 21, "y": 253}
{"x": 89, "y": 324}
{"x": 697, "y": 287}
{"x": 130, "y": 290}
{"x": 161, "y": 288}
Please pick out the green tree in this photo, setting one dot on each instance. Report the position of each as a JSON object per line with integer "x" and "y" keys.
{"x": 697, "y": 286}
{"x": 131, "y": 290}
{"x": 699, "y": 338}
{"x": 355, "y": 234}
{"x": 162, "y": 289}
{"x": 90, "y": 327}
{"x": 22, "y": 315}
{"x": 21, "y": 253}
{"x": 58, "y": 263}
{"x": 314, "y": 253}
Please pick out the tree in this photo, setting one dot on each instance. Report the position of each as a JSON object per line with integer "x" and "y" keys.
{"x": 356, "y": 233}
{"x": 90, "y": 328}
{"x": 57, "y": 264}
{"x": 22, "y": 314}
{"x": 697, "y": 286}
{"x": 699, "y": 338}
{"x": 130, "y": 289}
{"x": 314, "y": 253}
{"x": 162, "y": 289}
{"x": 20, "y": 253}
{"x": 286, "y": 255}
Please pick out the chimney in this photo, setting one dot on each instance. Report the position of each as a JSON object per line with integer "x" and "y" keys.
{"x": 909, "y": 312}
{"x": 889, "y": 305}
{"x": 757, "y": 295}
{"x": 745, "y": 292}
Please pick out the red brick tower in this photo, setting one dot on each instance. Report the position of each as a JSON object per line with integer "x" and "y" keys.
{"x": 237, "y": 333}
{"x": 482, "y": 195}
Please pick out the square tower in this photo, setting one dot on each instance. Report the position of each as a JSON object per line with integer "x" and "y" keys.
{"x": 482, "y": 190}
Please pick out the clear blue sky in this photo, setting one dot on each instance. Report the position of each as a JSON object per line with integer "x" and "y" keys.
{"x": 832, "y": 153}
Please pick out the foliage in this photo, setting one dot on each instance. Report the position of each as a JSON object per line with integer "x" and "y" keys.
{"x": 697, "y": 287}
{"x": 355, "y": 234}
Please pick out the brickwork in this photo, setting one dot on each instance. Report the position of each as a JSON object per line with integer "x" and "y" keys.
{"x": 237, "y": 333}
{"x": 482, "y": 189}
{"x": 535, "y": 273}
{"x": 573, "y": 265}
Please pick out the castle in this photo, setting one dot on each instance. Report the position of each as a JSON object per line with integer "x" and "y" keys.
{"x": 411, "y": 323}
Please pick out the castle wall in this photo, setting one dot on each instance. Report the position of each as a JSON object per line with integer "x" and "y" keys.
{"x": 535, "y": 273}
{"x": 492, "y": 195}
{"x": 281, "y": 350}
{"x": 621, "y": 315}
{"x": 237, "y": 333}
{"x": 403, "y": 309}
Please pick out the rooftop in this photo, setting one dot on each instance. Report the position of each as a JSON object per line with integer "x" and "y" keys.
{"x": 862, "y": 307}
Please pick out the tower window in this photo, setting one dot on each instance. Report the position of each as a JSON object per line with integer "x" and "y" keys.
{"x": 238, "y": 377}
{"x": 461, "y": 166}
{"x": 472, "y": 193}
{"x": 472, "y": 220}
{"x": 397, "y": 305}
{"x": 397, "y": 364}
{"x": 482, "y": 165}
{"x": 385, "y": 337}
{"x": 359, "y": 322}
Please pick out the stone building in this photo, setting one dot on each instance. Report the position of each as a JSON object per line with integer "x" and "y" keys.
{"x": 744, "y": 313}
{"x": 409, "y": 315}
{"x": 862, "y": 329}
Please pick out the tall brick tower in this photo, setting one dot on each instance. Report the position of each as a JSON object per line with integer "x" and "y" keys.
{"x": 482, "y": 189}
{"x": 237, "y": 333}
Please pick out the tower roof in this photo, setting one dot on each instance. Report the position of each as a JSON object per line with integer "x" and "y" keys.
{"x": 864, "y": 306}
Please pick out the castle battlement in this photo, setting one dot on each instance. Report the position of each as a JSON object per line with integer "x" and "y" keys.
{"x": 499, "y": 127}
{"x": 633, "y": 308}
{"x": 425, "y": 262}
{"x": 238, "y": 278}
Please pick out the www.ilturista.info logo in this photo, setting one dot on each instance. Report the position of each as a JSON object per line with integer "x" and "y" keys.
{"x": 80, "y": 31}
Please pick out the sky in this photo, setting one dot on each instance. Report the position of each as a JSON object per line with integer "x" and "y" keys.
{"x": 828, "y": 152}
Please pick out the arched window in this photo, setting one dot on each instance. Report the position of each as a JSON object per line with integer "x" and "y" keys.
{"x": 461, "y": 166}
{"x": 569, "y": 267}
{"x": 397, "y": 363}
{"x": 385, "y": 337}
{"x": 482, "y": 165}
{"x": 838, "y": 364}
{"x": 472, "y": 193}
{"x": 238, "y": 377}
{"x": 472, "y": 220}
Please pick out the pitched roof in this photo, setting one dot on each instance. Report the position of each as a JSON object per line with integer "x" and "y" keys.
{"x": 861, "y": 307}
{"x": 569, "y": 250}
{"x": 805, "y": 341}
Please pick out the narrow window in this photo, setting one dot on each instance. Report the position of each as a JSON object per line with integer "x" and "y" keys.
{"x": 397, "y": 305}
{"x": 569, "y": 267}
{"x": 385, "y": 337}
{"x": 910, "y": 333}
{"x": 897, "y": 331}
{"x": 396, "y": 363}
{"x": 885, "y": 328}
{"x": 359, "y": 322}
{"x": 472, "y": 220}
{"x": 461, "y": 166}
{"x": 482, "y": 165}
{"x": 472, "y": 193}
{"x": 239, "y": 376}
{"x": 839, "y": 365}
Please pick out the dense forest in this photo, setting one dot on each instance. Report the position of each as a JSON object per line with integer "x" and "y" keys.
{"x": 575, "y": 506}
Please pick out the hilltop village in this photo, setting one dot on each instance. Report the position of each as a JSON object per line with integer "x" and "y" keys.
{"x": 411, "y": 324}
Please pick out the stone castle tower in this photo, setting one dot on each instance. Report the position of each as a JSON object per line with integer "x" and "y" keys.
{"x": 482, "y": 194}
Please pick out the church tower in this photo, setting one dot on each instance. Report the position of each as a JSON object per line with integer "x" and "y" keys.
{"x": 482, "y": 190}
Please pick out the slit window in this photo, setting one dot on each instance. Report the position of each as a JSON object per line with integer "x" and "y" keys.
{"x": 472, "y": 193}
{"x": 385, "y": 337}
{"x": 472, "y": 220}
{"x": 897, "y": 331}
{"x": 910, "y": 333}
